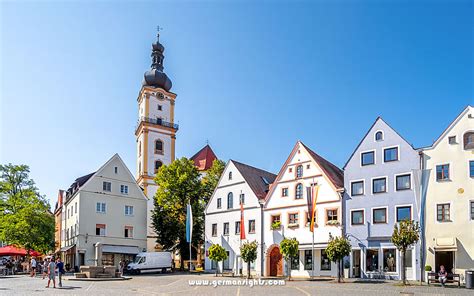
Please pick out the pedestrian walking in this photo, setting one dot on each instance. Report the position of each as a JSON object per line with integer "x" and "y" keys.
{"x": 45, "y": 267}
{"x": 33, "y": 266}
{"x": 51, "y": 273}
{"x": 61, "y": 271}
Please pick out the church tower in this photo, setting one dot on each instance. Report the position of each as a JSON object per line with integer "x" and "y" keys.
{"x": 156, "y": 130}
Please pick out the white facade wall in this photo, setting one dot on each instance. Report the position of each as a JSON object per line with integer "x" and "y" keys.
{"x": 214, "y": 215}
{"x": 87, "y": 217}
{"x": 328, "y": 198}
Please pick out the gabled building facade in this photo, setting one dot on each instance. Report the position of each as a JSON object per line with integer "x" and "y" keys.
{"x": 379, "y": 183}
{"x": 449, "y": 211}
{"x": 239, "y": 184}
{"x": 286, "y": 205}
{"x": 103, "y": 216}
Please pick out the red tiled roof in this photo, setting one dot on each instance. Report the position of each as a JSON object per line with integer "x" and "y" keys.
{"x": 204, "y": 158}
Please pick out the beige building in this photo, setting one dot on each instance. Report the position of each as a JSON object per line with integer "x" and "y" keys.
{"x": 449, "y": 231}
{"x": 104, "y": 215}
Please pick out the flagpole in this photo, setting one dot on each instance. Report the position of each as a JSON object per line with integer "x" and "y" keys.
{"x": 312, "y": 258}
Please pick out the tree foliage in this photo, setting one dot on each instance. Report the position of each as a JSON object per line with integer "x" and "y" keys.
{"x": 248, "y": 252}
{"x": 217, "y": 253}
{"x": 405, "y": 234}
{"x": 25, "y": 217}
{"x": 338, "y": 248}
{"x": 210, "y": 180}
{"x": 178, "y": 184}
{"x": 289, "y": 250}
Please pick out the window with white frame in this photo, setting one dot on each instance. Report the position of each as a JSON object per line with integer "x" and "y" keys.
{"x": 124, "y": 189}
{"x": 128, "y": 231}
{"x": 226, "y": 228}
{"x": 389, "y": 260}
{"x": 299, "y": 191}
{"x": 403, "y": 213}
{"x": 357, "y": 188}
{"x": 106, "y": 186}
{"x": 219, "y": 202}
{"x": 357, "y": 217}
{"x": 284, "y": 192}
{"x": 100, "y": 229}
{"x": 443, "y": 212}
{"x": 379, "y": 185}
{"x": 403, "y": 182}
{"x": 367, "y": 158}
{"x": 100, "y": 207}
{"x": 214, "y": 229}
{"x": 379, "y": 216}
{"x": 299, "y": 171}
{"x": 390, "y": 154}
{"x": 442, "y": 172}
{"x": 230, "y": 200}
{"x": 128, "y": 210}
{"x": 379, "y": 136}
{"x": 251, "y": 226}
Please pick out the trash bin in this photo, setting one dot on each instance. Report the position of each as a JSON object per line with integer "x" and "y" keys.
{"x": 470, "y": 279}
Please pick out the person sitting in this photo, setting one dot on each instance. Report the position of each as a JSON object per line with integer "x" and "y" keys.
{"x": 443, "y": 275}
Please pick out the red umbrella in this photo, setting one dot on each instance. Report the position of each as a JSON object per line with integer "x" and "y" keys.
{"x": 14, "y": 251}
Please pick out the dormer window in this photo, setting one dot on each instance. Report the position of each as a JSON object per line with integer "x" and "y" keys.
{"x": 468, "y": 141}
{"x": 379, "y": 136}
{"x": 230, "y": 175}
{"x": 299, "y": 171}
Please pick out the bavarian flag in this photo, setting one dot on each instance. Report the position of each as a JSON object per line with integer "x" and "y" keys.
{"x": 189, "y": 223}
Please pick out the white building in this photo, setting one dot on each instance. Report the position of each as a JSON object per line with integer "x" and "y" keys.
{"x": 449, "y": 210}
{"x": 239, "y": 183}
{"x": 287, "y": 202}
{"x": 106, "y": 207}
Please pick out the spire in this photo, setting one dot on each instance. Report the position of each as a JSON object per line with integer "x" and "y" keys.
{"x": 155, "y": 76}
{"x": 157, "y": 52}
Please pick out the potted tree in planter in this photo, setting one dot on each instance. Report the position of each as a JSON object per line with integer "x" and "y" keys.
{"x": 428, "y": 269}
{"x": 217, "y": 253}
{"x": 338, "y": 248}
{"x": 248, "y": 251}
{"x": 289, "y": 250}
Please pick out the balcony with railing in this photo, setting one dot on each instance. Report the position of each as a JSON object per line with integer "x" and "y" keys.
{"x": 156, "y": 121}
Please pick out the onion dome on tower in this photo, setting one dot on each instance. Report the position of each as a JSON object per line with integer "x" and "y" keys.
{"x": 155, "y": 76}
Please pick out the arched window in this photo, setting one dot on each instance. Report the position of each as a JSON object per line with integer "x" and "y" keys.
{"x": 139, "y": 168}
{"x": 140, "y": 148}
{"x": 230, "y": 200}
{"x": 299, "y": 191}
{"x": 469, "y": 140}
{"x": 230, "y": 175}
{"x": 299, "y": 171}
{"x": 158, "y": 164}
{"x": 159, "y": 147}
{"x": 379, "y": 136}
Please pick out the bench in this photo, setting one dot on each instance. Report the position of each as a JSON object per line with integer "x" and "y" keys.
{"x": 433, "y": 277}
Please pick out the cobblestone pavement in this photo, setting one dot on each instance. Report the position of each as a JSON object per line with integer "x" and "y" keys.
{"x": 185, "y": 284}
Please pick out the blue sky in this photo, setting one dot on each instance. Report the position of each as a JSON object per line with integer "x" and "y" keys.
{"x": 252, "y": 78}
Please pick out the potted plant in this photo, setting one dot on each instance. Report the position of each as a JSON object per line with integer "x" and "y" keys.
{"x": 276, "y": 225}
{"x": 428, "y": 269}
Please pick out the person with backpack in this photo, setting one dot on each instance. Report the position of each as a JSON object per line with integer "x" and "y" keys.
{"x": 61, "y": 271}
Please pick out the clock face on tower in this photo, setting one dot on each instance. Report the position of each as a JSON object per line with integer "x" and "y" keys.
{"x": 161, "y": 96}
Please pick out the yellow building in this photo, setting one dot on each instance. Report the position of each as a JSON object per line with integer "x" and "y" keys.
{"x": 449, "y": 211}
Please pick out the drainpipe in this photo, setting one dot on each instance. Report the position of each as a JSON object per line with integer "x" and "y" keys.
{"x": 261, "y": 202}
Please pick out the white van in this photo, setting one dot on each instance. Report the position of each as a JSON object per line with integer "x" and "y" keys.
{"x": 151, "y": 262}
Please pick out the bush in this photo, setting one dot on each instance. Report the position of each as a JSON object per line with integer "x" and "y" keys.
{"x": 428, "y": 268}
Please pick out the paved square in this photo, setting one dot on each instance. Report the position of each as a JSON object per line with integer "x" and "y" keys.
{"x": 178, "y": 284}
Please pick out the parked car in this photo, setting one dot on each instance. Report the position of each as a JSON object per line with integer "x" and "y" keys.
{"x": 150, "y": 262}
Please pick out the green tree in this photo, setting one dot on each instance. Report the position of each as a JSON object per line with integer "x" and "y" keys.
{"x": 289, "y": 250}
{"x": 25, "y": 217}
{"x": 248, "y": 252}
{"x": 338, "y": 248}
{"x": 178, "y": 184}
{"x": 210, "y": 180}
{"x": 217, "y": 253}
{"x": 405, "y": 234}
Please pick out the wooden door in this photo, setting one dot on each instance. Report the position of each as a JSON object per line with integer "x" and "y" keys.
{"x": 276, "y": 267}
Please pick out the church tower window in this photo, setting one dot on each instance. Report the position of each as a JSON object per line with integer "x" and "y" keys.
{"x": 158, "y": 164}
{"x": 159, "y": 147}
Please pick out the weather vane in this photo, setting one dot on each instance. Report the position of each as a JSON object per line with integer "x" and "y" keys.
{"x": 158, "y": 29}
